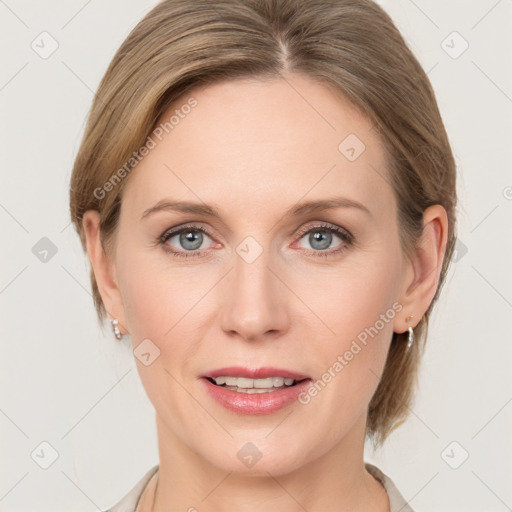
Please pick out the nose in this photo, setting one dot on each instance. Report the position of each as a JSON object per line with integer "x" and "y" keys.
{"x": 254, "y": 303}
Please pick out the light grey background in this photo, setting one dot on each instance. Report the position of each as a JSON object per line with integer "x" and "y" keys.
{"x": 66, "y": 383}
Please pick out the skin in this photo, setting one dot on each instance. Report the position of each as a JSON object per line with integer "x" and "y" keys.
{"x": 253, "y": 149}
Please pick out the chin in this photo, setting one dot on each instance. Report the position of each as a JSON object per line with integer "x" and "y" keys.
{"x": 258, "y": 454}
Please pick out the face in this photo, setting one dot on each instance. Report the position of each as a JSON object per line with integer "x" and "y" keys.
{"x": 267, "y": 282}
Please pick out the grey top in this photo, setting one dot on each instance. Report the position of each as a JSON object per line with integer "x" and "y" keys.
{"x": 396, "y": 500}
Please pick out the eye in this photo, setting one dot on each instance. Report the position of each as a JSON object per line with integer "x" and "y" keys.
{"x": 188, "y": 240}
{"x": 320, "y": 239}
{"x": 192, "y": 241}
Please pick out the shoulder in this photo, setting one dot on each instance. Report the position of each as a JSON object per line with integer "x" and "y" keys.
{"x": 129, "y": 502}
{"x": 397, "y": 502}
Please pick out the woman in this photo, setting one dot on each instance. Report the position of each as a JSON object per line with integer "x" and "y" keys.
{"x": 266, "y": 193}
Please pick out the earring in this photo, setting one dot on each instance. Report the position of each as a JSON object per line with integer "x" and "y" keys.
{"x": 116, "y": 330}
{"x": 410, "y": 337}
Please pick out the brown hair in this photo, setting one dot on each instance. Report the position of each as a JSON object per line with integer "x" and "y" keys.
{"x": 351, "y": 45}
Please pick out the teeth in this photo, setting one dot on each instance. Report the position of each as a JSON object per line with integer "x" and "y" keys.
{"x": 244, "y": 383}
{"x": 252, "y": 391}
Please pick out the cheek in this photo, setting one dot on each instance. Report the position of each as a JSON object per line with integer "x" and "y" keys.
{"x": 154, "y": 297}
{"x": 160, "y": 304}
{"x": 156, "y": 302}
{"x": 146, "y": 301}
{"x": 359, "y": 306}
{"x": 351, "y": 301}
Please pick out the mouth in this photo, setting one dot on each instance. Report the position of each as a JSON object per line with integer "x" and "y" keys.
{"x": 252, "y": 386}
{"x": 255, "y": 391}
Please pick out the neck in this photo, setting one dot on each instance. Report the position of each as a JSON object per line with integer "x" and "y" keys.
{"x": 337, "y": 480}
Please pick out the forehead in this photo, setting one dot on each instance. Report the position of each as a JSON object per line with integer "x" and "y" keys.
{"x": 250, "y": 141}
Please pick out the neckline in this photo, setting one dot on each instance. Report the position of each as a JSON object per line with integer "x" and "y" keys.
{"x": 147, "y": 496}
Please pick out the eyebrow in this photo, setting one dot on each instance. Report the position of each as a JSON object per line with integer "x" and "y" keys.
{"x": 300, "y": 209}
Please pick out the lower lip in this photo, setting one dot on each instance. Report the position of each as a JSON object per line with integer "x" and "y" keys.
{"x": 255, "y": 403}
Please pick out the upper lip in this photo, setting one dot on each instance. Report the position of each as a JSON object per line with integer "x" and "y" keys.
{"x": 255, "y": 373}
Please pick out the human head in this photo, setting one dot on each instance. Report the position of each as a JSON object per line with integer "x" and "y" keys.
{"x": 181, "y": 46}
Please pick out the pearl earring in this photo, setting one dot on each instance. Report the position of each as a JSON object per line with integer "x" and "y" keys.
{"x": 410, "y": 337}
{"x": 117, "y": 332}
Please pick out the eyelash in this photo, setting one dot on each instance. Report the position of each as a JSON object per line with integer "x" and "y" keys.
{"x": 345, "y": 236}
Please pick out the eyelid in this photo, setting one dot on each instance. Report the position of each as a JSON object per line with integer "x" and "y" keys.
{"x": 176, "y": 230}
{"x": 328, "y": 226}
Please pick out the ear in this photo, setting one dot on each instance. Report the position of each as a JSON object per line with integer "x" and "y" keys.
{"x": 103, "y": 268}
{"x": 423, "y": 269}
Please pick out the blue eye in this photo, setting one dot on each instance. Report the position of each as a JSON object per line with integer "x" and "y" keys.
{"x": 321, "y": 237}
{"x": 190, "y": 239}
{"x": 320, "y": 240}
